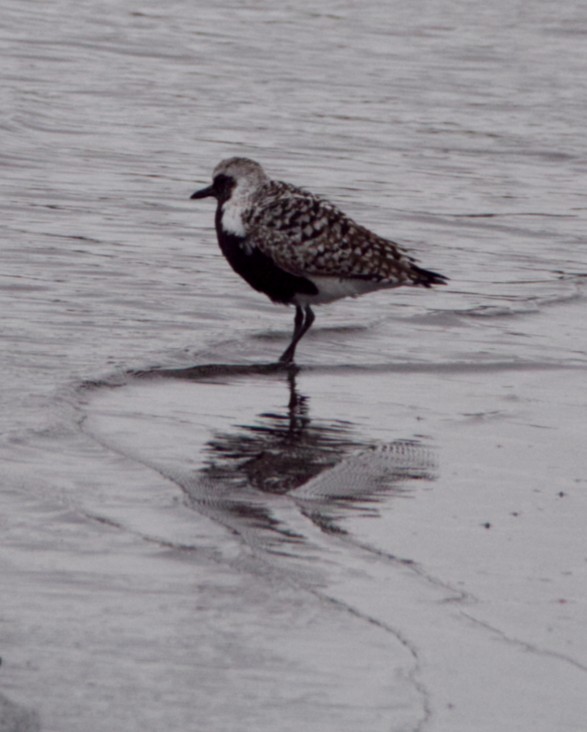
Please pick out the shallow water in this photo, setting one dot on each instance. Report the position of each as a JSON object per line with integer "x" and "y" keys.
{"x": 391, "y": 536}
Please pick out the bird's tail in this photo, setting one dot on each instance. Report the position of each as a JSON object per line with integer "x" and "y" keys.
{"x": 425, "y": 277}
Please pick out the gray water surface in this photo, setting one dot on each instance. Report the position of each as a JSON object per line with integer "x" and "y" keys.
{"x": 391, "y": 536}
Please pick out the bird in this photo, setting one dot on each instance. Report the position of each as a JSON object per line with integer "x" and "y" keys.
{"x": 298, "y": 248}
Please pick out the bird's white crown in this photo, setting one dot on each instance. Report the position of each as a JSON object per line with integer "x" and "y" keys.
{"x": 248, "y": 176}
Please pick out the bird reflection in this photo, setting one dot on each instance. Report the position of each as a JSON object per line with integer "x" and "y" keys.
{"x": 322, "y": 466}
{"x": 280, "y": 451}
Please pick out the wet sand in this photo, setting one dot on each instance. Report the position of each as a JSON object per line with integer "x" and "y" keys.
{"x": 392, "y": 537}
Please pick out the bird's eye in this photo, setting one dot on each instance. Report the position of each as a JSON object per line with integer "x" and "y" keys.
{"x": 223, "y": 185}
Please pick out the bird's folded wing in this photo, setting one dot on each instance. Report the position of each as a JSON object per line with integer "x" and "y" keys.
{"x": 308, "y": 236}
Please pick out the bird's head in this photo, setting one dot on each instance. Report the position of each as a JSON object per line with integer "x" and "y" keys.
{"x": 236, "y": 178}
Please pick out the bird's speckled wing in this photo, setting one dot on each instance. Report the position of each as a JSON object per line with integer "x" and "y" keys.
{"x": 306, "y": 235}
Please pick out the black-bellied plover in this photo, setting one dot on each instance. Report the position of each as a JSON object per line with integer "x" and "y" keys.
{"x": 298, "y": 248}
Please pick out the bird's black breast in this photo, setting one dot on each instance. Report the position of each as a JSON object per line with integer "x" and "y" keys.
{"x": 259, "y": 270}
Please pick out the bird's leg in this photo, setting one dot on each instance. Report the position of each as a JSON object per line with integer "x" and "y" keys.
{"x": 288, "y": 354}
{"x": 303, "y": 320}
{"x": 310, "y": 318}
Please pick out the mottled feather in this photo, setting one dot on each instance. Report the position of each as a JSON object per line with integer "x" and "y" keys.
{"x": 305, "y": 234}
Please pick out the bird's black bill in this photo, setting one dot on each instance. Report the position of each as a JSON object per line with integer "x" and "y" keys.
{"x": 204, "y": 193}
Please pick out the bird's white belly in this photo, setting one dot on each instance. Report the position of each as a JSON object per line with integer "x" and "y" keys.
{"x": 335, "y": 288}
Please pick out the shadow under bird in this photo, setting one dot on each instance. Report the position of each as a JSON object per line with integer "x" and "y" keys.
{"x": 298, "y": 248}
